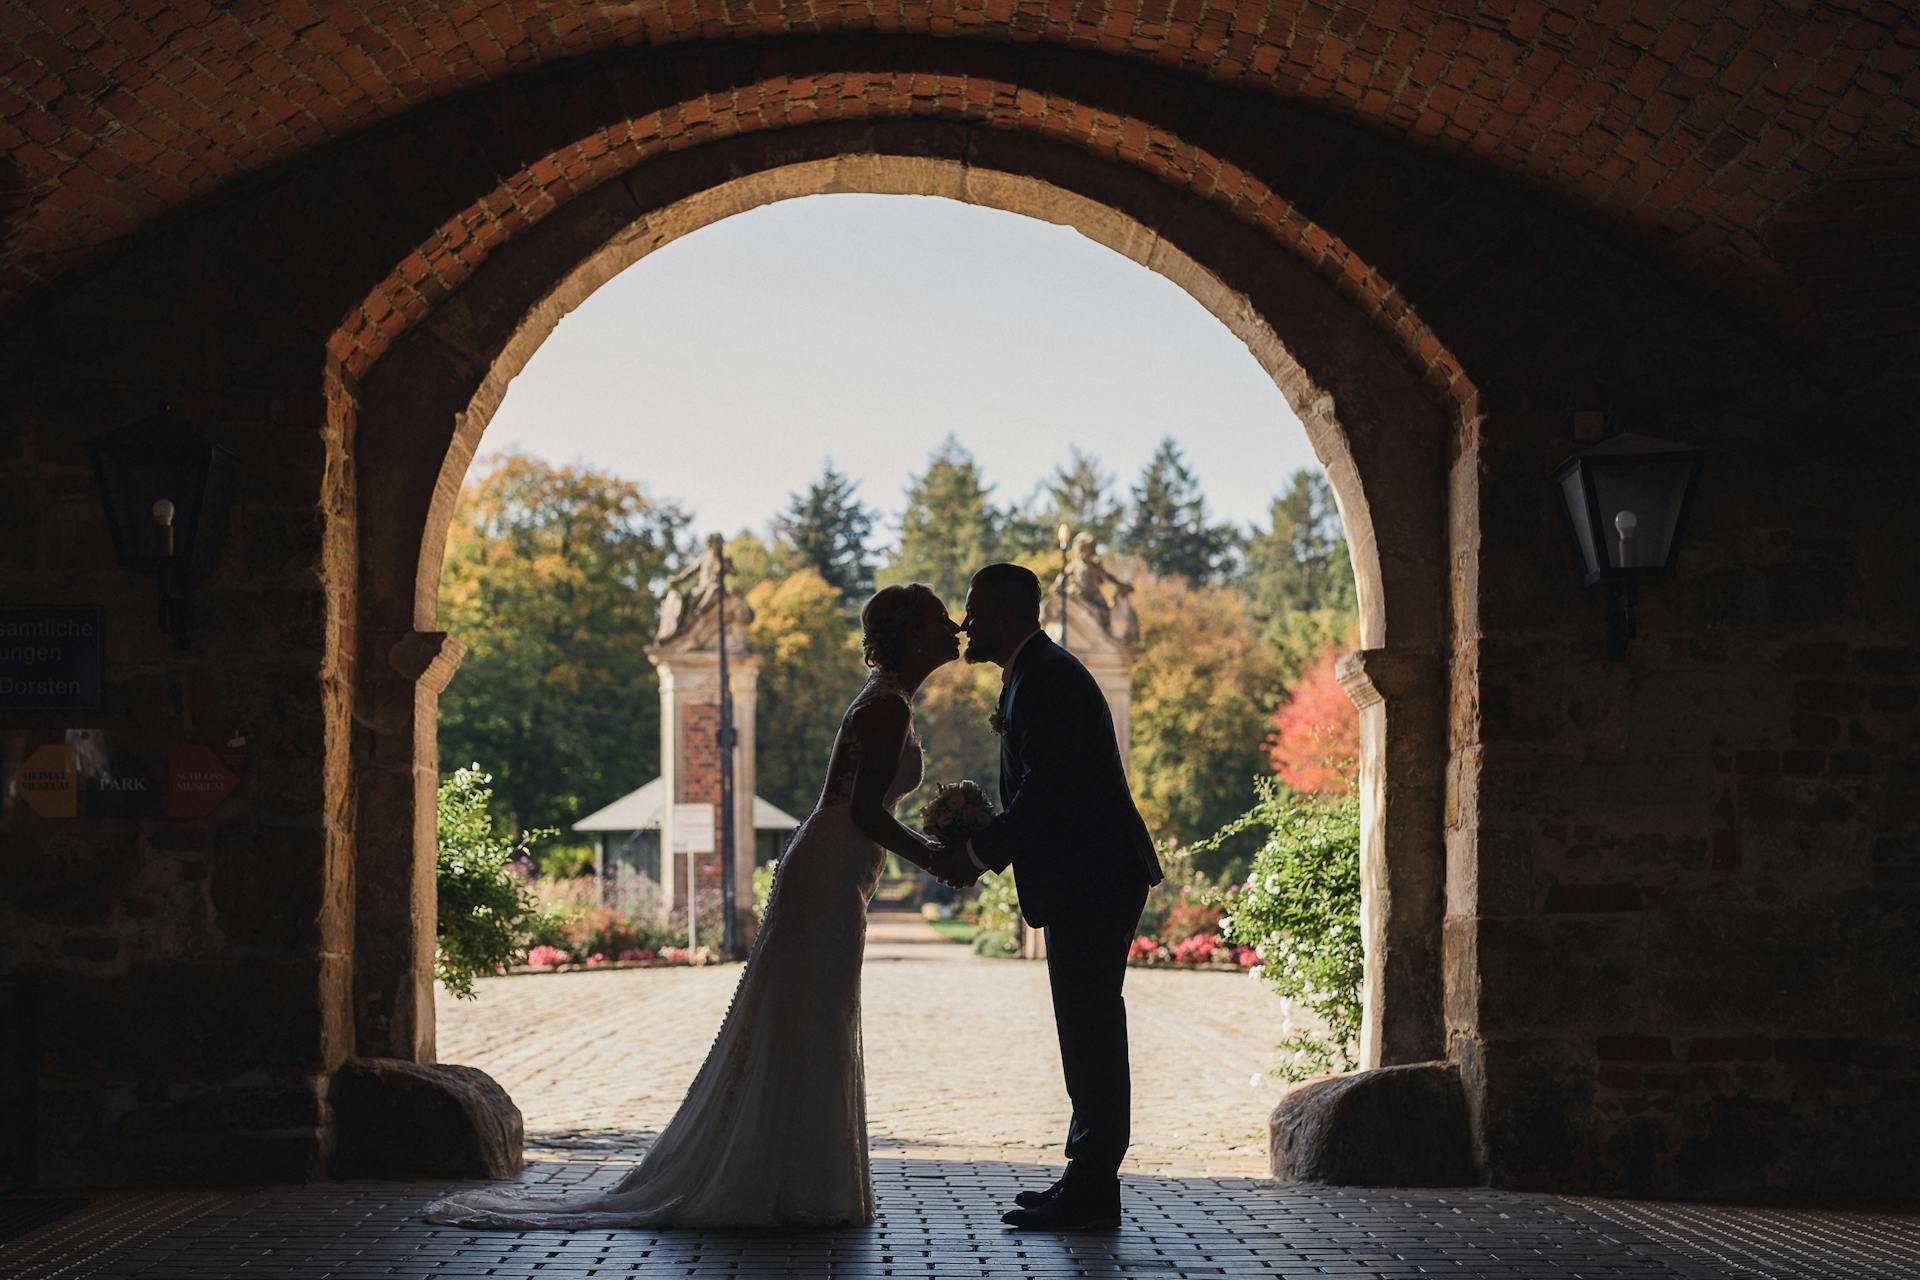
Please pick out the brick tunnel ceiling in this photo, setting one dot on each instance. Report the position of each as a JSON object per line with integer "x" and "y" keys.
{"x": 1749, "y": 145}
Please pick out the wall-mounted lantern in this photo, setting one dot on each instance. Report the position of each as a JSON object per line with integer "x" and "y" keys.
{"x": 166, "y": 493}
{"x": 1628, "y": 498}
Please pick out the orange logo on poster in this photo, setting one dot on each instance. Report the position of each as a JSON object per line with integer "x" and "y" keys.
{"x": 48, "y": 780}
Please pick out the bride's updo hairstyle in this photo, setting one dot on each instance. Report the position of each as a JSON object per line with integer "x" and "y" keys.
{"x": 887, "y": 620}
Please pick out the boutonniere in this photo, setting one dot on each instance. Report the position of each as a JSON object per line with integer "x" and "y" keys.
{"x": 997, "y": 723}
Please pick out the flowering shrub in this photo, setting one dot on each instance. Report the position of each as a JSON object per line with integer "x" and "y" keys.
{"x": 676, "y": 955}
{"x": 1143, "y": 949}
{"x": 487, "y": 914}
{"x": 1197, "y": 949}
{"x": 1246, "y": 957}
{"x": 1187, "y": 919}
{"x": 1299, "y": 910}
{"x": 544, "y": 957}
{"x": 762, "y": 888}
{"x": 597, "y": 958}
{"x": 1183, "y": 903}
{"x": 997, "y": 909}
{"x": 636, "y": 953}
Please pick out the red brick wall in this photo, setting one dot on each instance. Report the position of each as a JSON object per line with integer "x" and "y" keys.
{"x": 699, "y": 782}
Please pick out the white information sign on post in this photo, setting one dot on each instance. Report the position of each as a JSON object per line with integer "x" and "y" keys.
{"x": 693, "y": 836}
{"x": 693, "y": 828}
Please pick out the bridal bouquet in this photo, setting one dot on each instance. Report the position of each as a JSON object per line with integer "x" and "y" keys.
{"x": 957, "y": 810}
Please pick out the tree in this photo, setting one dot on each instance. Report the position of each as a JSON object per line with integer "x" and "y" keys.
{"x": 1298, "y": 576}
{"x": 1167, "y": 527}
{"x": 950, "y": 526}
{"x": 552, "y": 578}
{"x": 827, "y": 528}
{"x": 1202, "y": 697}
{"x": 1078, "y": 494}
{"x": 809, "y": 669}
{"x": 1317, "y": 730}
{"x": 755, "y": 560}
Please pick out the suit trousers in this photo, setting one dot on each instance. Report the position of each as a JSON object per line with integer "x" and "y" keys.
{"x": 1086, "y": 967}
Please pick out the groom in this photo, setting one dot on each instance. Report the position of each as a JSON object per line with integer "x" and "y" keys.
{"x": 1082, "y": 862}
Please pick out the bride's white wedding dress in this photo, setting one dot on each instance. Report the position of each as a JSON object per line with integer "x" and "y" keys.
{"x": 773, "y": 1131}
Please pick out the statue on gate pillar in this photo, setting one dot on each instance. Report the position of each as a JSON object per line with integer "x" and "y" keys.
{"x": 1088, "y": 581}
{"x": 690, "y": 617}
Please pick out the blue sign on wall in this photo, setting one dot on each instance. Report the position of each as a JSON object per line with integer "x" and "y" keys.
{"x": 50, "y": 657}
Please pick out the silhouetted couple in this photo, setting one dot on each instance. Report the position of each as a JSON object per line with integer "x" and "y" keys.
{"x": 773, "y": 1131}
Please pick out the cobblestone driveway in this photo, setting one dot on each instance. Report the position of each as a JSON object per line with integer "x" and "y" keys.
{"x": 961, "y": 1058}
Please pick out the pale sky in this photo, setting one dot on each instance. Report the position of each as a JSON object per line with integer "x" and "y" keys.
{"x": 721, "y": 370}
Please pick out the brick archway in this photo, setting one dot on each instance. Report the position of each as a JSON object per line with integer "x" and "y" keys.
{"x": 1379, "y": 415}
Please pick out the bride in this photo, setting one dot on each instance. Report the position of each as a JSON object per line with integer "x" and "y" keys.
{"x": 773, "y": 1131}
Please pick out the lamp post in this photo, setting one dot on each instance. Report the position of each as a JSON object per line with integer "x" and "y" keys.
{"x": 1066, "y": 540}
{"x": 724, "y": 738}
{"x": 1628, "y": 499}
{"x": 166, "y": 493}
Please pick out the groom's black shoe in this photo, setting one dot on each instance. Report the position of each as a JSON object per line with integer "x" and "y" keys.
{"x": 1072, "y": 1208}
{"x": 1034, "y": 1199}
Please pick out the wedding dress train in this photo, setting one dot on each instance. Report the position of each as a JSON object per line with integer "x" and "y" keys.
{"x": 773, "y": 1131}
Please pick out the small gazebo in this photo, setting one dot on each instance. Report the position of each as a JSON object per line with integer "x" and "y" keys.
{"x": 627, "y": 832}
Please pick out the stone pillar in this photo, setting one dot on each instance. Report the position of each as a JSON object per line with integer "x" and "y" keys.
{"x": 690, "y": 766}
{"x": 1402, "y": 702}
{"x": 395, "y": 897}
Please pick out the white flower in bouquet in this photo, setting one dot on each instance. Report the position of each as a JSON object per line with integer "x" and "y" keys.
{"x": 957, "y": 810}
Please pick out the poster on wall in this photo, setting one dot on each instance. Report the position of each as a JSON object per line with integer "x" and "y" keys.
{"x": 50, "y": 657}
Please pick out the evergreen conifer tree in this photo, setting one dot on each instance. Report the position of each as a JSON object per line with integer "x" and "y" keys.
{"x": 1079, "y": 494}
{"x": 827, "y": 527}
{"x": 950, "y": 526}
{"x": 1167, "y": 527}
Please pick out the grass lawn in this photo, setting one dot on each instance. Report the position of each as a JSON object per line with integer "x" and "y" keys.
{"x": 954, "y": 930}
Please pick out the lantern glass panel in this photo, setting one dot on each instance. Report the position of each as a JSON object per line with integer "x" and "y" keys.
{"x": 210, "y": 514}
{"x": 1639, "y": 503}
{"x": 1573, "y": 488}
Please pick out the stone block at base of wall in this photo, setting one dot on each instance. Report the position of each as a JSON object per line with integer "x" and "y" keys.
{"x": 399, "y": 1119}
{"x": 1389, "y": 1127}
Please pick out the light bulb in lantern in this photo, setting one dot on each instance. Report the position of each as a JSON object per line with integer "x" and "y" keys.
{"x": 1625, "y": 523}
{"x": 163, "y": 516}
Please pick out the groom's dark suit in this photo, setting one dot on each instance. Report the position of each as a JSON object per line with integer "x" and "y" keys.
{"x": 1082, "y": 861}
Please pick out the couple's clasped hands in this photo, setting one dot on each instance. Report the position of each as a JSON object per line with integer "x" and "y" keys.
{"x": 950, "y": 864}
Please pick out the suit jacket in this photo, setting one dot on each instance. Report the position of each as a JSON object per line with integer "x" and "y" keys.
{"x": 1067, "y": 825}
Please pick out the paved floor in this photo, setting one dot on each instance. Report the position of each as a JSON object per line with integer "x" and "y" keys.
{"x": 961, "y": 1058}
{"x": 962, "y": 1092}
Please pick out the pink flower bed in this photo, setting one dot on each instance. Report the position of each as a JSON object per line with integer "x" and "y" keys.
{"x": 676, "y": 955}
{"x": 636, "y": 953}
{"x": 545, "y": 957}
{"x": 1143, "y": 949}
{"x": 1198, "y": 949}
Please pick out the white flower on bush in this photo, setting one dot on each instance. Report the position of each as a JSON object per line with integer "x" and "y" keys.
{"x": 1256, "y": 972}
{"x": 1226, "y": 926}
{"x": 1273, "y": 882}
